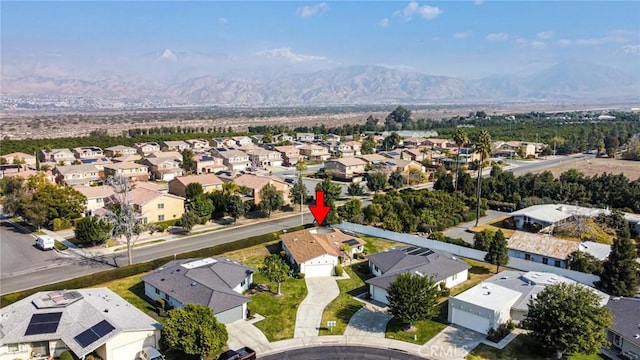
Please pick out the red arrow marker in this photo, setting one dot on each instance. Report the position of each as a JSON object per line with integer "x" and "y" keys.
{"x": 318, "y": 210}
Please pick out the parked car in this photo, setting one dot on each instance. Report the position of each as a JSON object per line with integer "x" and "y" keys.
{"x": 289, "y": 180}
{"x": 149, "y": 353}
{"x": 629, "y": 355}
{"x": 45, "y": 242}
{"x": 244, "y": 353}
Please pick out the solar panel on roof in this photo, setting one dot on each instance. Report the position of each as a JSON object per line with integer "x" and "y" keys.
{"x": 410, "y": 249}
{"x": 103, "y": 328}
{"x": 46, "y": 323}
{"x": 94, "y": 333}
{"x": 351, "y": 242}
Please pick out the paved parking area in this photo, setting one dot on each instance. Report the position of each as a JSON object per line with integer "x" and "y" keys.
{"x": 370, "y": 321}
{"x": 320, "y": 292}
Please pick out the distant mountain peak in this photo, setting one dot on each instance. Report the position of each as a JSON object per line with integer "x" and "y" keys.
{"x": 168, "y": 55}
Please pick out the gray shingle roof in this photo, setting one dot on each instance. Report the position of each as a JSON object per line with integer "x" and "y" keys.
{"x": 436, "y": 263}
{"x": 95, "y": 305}
{"x": 210, "y": 284}
{"x": 626, "y": 318}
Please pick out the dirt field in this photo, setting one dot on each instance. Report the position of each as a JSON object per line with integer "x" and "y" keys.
{"x": 631, "y": 169}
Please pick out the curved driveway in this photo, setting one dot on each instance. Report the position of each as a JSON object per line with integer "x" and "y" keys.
{"x": 320, "y": 292}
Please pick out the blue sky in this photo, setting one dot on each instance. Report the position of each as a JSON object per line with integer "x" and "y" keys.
{"x": 456, "y": 38}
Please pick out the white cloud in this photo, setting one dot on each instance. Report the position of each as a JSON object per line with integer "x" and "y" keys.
{"x": 615, "y": 36}
{"x": 287, "y": 54}
{"x": 223, "y": 20}
{"x": 463, "y": 34}
{"x": 384, "y": 22}
{"x": 399, "y": 67}
{"x": 424, "y": 11}
{"x": 565, "y": 42}
{"x": 497, "y": 37}
{"x": 311, "y": 10}
{"x": 537, "y": 44}
{"x": 478, "y": 2}
{"x": 631, "y": 49}
{"x": 544, "y": 35}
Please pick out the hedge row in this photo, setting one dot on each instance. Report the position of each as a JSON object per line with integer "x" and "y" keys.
{"x": 129, "y": 270}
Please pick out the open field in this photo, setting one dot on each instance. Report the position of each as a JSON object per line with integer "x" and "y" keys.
{"x": 593, "y": 166}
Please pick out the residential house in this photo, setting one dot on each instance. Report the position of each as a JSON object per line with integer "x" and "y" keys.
{"x": 119, "y": 151}
{"x": 332, "y": 137}
{"x": 550, "y": 250}
{"x": 127, "y": 158}
{"x": 305, "y": 137}
{"x": 399, "y": 165}
{"x": 222, "y": 142}
{"x": 510, "y": 149}
{"x": 19, "y": 158}
{"x": 503, "y": 297}
{"x": 624, "y": 334}
{"x": 178, "y": 145}
{"x": 97, "y": 197}
{"x": 153, "y": 186}
{"x": 315, "y": 152}
{"x": 257, "y": 139}
{"x": 413, "y": 142}
{"x": 209, "y": 182}
{"x": 164, "y": 168}
{"x": 437, "y": 143}
{"x": 145, "y": 149}
{"x": 356, "y": 146}
{"x": 25, "y": 173}
{"x": 132, "y": 171}
{"x": 282, "y": 138}
{"x": 264, "y": 158}
{"x": 78, "y": 174}
{"x": 373, "y": 159}
{"x": 153, "y": 206}
{"x": 58, "y": 156}
{"x": 82, "y": 321}
{"x": 198, "y": 144}
{"x": 215, "y": 282}
{"x": 87, "y": 152}
{"x": 254, "y": 184}
{"x": 388, "y": 264}
{"x": 316, "y": 251}
{"x": 290, "y": 154}
{"x": 346, "y": 168}
{"x": 206, "y": 163}
{"x": 234, "y": 160}
{"x": 242, "y": 140}
{"x": 343, "y": 150}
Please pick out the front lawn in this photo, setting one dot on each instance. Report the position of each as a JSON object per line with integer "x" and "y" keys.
{"x": 424, "y": 329}
{"x": 132, "y": 290}
{"x": 375, "y": 245}
{"x": 342, "y": 308}
{"x": 522, "y": 347}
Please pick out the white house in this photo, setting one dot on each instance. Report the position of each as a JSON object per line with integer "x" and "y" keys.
{"x": 316, "y": 251}
{"x": 216, "y": 282}
{"x": 83, "y": 321}
{"x": 96, "y": 196}
{"x": 388, "y": 264}
{"x": 502, "y": 297}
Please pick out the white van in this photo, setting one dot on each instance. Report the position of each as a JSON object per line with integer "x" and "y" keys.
{"x": 45, "y": 242}
{"x": 149, "y": 353}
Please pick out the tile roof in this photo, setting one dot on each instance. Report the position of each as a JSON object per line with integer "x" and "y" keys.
{"x": 393, "y": 262}
{"x": 203, "y": 179}
{"x": 125, "y": 165}
{"x": 141, "y": 196}
{"x": 542, "y": 244}
{"x": 308, "y": 244}
{"x": 350, "y": 161}
{"x": 72, "y": 169}
{"x": 94, "y": 192}
{"x": 626, "y": 318}
{"x": 208, "y": 281}
{"x": 90, "y": 307}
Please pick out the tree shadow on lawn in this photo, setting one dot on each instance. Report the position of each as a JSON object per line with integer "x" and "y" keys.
{"x": 347, "y": 312}
{"x": 138, "y": 290}
{"x": 479, "y": 270}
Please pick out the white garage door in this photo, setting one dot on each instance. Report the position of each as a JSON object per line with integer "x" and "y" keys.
{"x": 470, "y": 321}
{"x": 379, "y": 294}
{"x": 317, "y": 270}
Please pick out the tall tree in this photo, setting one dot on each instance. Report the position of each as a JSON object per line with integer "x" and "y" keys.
{"x": 235, "y": 207}
{"x": 413, "y": 297}
{"x": 375, "y": 181}
{"x": 202, "y": 206}
{"x": 459, "y": 138}
{"x": 275, "y": 269}
{"x": 121, "y": 215}
{"x": 188, "y": 161}
{"x": 298, "y": 193}
{"x": 620, "y": 271}
{"x": 332, "y": 191}
{"x": 355, "y": 189}
{"x": 400, "y": 115}
{"x": 92, "y": 230}
{"x": 396, "y": 180}
{"x": 498, "y": 253}
{"x": 483, "y": 147}
{"x": 368, "y": 145}
{"x": 188, "y": 220}
{"x": 194, "y": 330}
{"x": 568, "y": 319}
{"x": 270, "y": 199}
{"x": 192, "y": 190}
{"x": 584, "y": 262}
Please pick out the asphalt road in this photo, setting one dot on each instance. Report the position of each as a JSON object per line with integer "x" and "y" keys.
{"x": 341, "y": 353}
{"x": 19, "y": 253}
{"x": 65, "y": 268}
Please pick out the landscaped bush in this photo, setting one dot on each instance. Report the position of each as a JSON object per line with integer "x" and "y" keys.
{"x": 164, "y": 225}
{"x": 501, "y": 332}
{"x": 301, "y": 276}
{"x": 339, "y": 270}
{"x": 61, "y": 224}
{"x": 66, "y": 356}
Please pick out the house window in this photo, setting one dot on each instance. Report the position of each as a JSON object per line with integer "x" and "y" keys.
{"x": 527, "y": 257}
{"x": 556, "y": 263}
{"x": 160, "y": 217}
{"x": 157, "y": 291}
{"x": 14, "y": 347}
{"x": 375, "y": 268}
{"x": 545, "y": 261}
{"x": 161, "y": 206}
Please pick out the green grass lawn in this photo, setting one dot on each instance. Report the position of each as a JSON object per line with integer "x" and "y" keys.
{"x": 132, "y": 290}
{"x": 523, "y": 347}
{"x": 424, "y": 329}
{"x": 374, "y": 244}
{"x": 279, "y": 311}
{"x": 342, "y": 308}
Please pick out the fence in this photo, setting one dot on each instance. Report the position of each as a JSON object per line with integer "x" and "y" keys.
{"x": 515, "y": 263}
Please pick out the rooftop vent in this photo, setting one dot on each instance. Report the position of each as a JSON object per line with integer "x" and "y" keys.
{"x": 504, "y": 278}
{"x": 193, "y": 283}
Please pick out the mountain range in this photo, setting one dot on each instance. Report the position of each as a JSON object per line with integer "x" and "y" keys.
{"x": 566, "y": 81}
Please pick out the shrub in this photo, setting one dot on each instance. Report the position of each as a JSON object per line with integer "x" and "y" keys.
{"x": 339, "y": 270}
{"x": 66, "y": 355}
{"x": 503, "y": 330}
{"x": 61, "y": 224}
{"x": 301, "y": 276}
{"x": 161, "y": 304}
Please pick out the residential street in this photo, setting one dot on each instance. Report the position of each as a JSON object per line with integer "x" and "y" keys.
{"x": 460, "y": 230}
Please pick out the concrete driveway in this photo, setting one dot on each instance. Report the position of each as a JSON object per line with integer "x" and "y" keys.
{"x": 369, "y": 321}
{"x": 460, "y": 230}
{"x": 452, "y": 343}
{"x": 244, "y": 333}
{"x": 320, "y": 292}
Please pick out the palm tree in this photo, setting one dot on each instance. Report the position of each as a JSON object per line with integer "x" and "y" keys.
{"x": 482, "y": 146}
{"x": 460, "y": 138}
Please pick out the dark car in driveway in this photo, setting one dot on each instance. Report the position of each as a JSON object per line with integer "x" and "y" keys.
{"x": 244, "y": 353}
